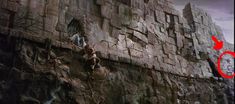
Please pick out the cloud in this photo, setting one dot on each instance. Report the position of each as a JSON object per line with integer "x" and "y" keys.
{"x": 224, "y": 19}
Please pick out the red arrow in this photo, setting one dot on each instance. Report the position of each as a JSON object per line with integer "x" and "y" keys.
{"x": 218, "y": 44}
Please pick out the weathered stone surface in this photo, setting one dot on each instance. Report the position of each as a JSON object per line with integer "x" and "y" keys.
{"x": 169, "y": 48}
{"x": 106, "y": 10}
{"x": 179, "y": 41}
{"x": 139, "y": 38}
{"x": 171, "y": 40}
{"x": 100, "y": 2}
{"x": 115, "y": 22}
{"x": 10, "y": 5}
{"x": 138, "y": 24}
{"x": 106, "y": 24}
{"x": 115, "y": 33}
{"x": 147, "y": 48}
{"x": 152, "y": 39}
{"x": 159, "y": 16}
{"x": 136, "y": 53}
{"x": 124, "y": 14}
{"x": 169, "y": 61}
{"x": 168, "y": 18}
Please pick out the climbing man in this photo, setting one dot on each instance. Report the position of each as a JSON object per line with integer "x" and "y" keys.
{"x": 92, "y": 61}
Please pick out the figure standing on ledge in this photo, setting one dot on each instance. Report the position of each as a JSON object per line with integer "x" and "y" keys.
{"x": 213, "y": 68}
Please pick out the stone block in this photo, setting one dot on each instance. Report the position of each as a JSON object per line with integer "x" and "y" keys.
{"x": 171, "y": 40}
{"x": 115, "y": 21}
{"x": 129, "y": 43}
{"x": 147, "y": 10}
{"x": 151, "y": 27}
{"x": 106, "y": 10}
{"x": 149, "y": 19}
{"x": 159, "y": 16}
{"x": 121, "y": 42}
{"x": 176, "y": 19}
{"x": 115, "y": 33}
{"x": 169, "y": 61}
{"x": 139, "y": 25}
{"x": 152, "y": 38}
{"x": 138, "y": 12}
{"x": 169, "y": 48}
{"x": 141, "y": 38}
{"x": 124, "y": 59}
{"x": 113, "y": 57}
{"x": 125, "y": 14}
{"x": 171, "y": 33}
{"x": 162, "y": 29}
{"x": 100, "y": 2}
{"x": 175, "y": 12}
{"x": 168, "y": 18}
{"x": 181, "y": 19}
{"x": 137, "y": 4}
{"x": 136, "y": 53}
{"x": 102, "y": 55}
{"x": 171, "y": 56}
{"x": 149, "y": 51}
{"x": 129, "y": 31}
{"x": 177, "y": 27}
{"x": 179, "y": 41}
{"x": 113, "y": 45}
{"x": 106, "y": 25}
{"x": 187, "y": 35}
{"x": 138, "y": 46}
{"x": 126, "y": 2}
{"x": 195, "y": 45}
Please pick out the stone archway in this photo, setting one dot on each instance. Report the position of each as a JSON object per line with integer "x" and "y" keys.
{"x": 75, "y": 26}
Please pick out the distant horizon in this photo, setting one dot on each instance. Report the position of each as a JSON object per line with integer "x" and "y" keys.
{"x": 221, "y": 11}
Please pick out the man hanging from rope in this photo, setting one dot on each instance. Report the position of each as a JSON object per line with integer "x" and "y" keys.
{"x": 92, "y": 61}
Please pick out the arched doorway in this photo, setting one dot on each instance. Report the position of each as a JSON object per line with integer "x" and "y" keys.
{"x": 76, "y": 32}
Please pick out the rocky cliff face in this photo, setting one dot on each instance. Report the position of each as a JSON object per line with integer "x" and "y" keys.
{"x": 150, "y": 53}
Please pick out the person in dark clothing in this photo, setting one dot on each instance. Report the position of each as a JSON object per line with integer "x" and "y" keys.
{"x": 214, "y": 69}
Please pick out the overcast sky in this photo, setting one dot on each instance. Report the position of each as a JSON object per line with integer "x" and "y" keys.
{"x": 222, "y": 12}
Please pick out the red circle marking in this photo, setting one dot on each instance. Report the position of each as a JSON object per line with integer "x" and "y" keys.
{"x": 220, "y": 70}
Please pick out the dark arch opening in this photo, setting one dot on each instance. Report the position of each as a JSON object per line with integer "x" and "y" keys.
{"x": 75, "y": 26}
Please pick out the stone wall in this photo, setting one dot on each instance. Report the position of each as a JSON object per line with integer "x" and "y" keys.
{"x": 154, "y": 54}
{"x": 143, "y": 32}
{"x": 32, "y": 79}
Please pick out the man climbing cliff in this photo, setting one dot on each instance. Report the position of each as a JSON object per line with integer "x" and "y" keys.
{"x": 92, "y": 61}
